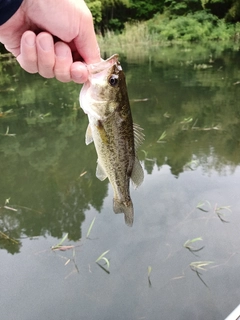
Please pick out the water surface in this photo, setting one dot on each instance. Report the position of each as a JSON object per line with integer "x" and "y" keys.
{"x": 187, "y": 101}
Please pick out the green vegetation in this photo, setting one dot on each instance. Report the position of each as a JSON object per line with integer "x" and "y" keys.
{"x": 112, "y": 14}
{"x": 123, "y": 22}
{"x": 199, "y": 26}
{"x": 137, "y": 21}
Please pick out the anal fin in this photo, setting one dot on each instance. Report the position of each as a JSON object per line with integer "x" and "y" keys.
{"x": 137, "y": 175}
{"x": 100, "y": 172}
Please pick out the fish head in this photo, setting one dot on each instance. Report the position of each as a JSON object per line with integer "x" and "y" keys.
{"x": 100, "y": 95}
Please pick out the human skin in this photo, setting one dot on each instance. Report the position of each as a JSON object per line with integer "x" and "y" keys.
{"x": 31, "y": 33}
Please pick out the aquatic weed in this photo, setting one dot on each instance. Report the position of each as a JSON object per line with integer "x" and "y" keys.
{"x": 189, "y": 245}
{"x": 102, "y": 257}
{"x": 198, "y": 266}
{"x": 90, "y": 227}
{"x": 219, "y": 212}
{"x": 7, "y": 134}
{"x": 201, "y": 205}
{"x": 149, "y": 273}
{"x": 59, "y": 245}
{"x": 161, "y": 138}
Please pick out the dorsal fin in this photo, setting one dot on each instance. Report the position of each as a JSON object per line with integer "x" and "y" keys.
{"x": 138, "y": 135}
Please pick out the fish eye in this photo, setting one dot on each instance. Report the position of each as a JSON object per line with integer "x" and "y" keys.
{"x": 113, "y": 80}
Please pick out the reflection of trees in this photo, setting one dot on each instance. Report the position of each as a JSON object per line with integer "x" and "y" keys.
{"x": 198, "y": 108}
{"x": 42, "y": 207}
{"x": 40, "y": 171}
{"x": 9, "y": 230}
{"x": 41, "y": 166}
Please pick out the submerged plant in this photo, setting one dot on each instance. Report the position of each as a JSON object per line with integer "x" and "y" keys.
{"x": 201, "y": 205}
{"x": 145, "y": 153}
{"x": 90, "y": 227}
{"x": 107, "y": 263}
{"x": 6, "y": 237}
{"x": 219, "y": 212}
{"x": 6, "y": 206}
{"x": 60, "y": 247}
{"x": 161, "y": 138}
{"x": 198, "y": 266}
{"x": 7, "y": 134}
{"x": 205, "y": 206}
{"x": 186, "y": 120}
{"x": 102, "y": 257}
{"x": 149, "y": 273}
{"x": 185, "y": 123}
{"x": 189, "y": 245}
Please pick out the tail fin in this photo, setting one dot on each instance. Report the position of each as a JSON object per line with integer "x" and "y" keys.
{"x": 126, "y": 208}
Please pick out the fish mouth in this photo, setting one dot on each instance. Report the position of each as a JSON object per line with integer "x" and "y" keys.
{"x": 97, "y": 71}
{"x": 104, "y": 64}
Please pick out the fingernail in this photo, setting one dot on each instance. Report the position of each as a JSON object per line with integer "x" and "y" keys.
{"x": 46, "y": 43}
{"x": 30, "y": 40}
{"x": 61, "y": 51}
{"x": 79, "y": 73}
{"x": 78, "y": 76}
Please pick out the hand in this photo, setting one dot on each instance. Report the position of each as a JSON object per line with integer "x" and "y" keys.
{"x": 29, "y": 34}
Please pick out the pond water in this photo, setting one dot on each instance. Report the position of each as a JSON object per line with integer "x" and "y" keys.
{"x": 180, "y": 260}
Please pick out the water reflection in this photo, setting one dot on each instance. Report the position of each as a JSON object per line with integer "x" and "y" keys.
{"x": 49, "y": 174}
{"x": 48, "y": 177}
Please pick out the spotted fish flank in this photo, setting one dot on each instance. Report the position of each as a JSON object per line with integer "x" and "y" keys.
{"x": 104, "y": 99}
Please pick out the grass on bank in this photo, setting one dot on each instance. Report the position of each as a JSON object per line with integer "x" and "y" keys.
{"x": 200, "y": 26}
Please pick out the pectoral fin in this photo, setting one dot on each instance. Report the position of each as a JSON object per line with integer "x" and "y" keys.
{"x": 100, "y": 173}
{"x": 88, "y": 136}
{"x": 137, "y": 175}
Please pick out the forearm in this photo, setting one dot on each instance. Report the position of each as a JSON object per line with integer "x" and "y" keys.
{"x": 8, "y": 8}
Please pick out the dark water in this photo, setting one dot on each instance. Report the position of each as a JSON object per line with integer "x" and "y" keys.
{"x": 190, "y": 98}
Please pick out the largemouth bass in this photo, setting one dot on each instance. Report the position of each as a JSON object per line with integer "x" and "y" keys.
{"x": 104, "y": 99}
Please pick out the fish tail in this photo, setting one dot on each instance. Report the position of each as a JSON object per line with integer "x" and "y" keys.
{"x": 126, "y": 208}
